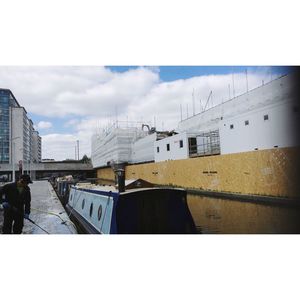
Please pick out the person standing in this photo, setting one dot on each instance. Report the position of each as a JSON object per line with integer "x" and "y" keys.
{"x": 16, "y": 204}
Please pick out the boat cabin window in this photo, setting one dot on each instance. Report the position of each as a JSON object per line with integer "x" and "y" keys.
{"x": 91, "y": 209}
{"x": 157, "y": 149}
{"x": 168, "y": 147}
{"x": 99, "y": 212}
{"x": 181, "y": 143}
{"x": 83, "y": 202}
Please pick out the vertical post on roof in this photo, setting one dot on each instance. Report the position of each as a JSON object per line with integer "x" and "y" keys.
{"x": 233, "y": 92}
{"x": 247, "y": 80}
{"x": 193, "y": 103}
{"x": 77, "y": 149}
{"x": 180, "y": 112}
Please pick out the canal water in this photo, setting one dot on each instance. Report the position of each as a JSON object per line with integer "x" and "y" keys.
{"x": 213, "y": 215}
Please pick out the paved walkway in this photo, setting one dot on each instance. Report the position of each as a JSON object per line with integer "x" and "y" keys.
{"x": 46, "y": 211}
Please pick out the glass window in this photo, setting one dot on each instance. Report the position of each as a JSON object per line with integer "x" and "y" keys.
{"x": 4, "y": 127}
{"x": 168, "y": 147}
{"x": 181, "y": 143}
{"x": 246, "y": 122}
{"x": 83, "y": 202}
{"x": 266, "y": 117}
{"x": 231, "y": 126}
{"x": 157, "y": 149}
{"x": 91, "y": 209}
{"x": 99, "y": 212}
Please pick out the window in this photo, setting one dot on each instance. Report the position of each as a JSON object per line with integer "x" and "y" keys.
{"x": 266, "y": 117}
{"x": 83, "y": 202}
{"x": 91, "y": 209}
{"x": 168, "y": 147}
{"x": 246, "y": 122}
{"x": 99, "y": 212}
{"x": 181, "y": 143}
{"x": 157, "y": 149}
{"x": 231, "y": 126}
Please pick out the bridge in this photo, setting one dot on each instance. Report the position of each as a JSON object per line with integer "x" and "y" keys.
{"x": 48, "y": 169}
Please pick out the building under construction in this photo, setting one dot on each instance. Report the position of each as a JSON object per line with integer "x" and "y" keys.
{"x": 248, "y": 145}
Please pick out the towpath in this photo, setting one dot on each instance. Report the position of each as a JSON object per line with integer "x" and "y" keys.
{"x": 46, "y": 211}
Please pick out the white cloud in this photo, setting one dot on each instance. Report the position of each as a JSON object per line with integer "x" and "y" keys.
{"x": 44, "y": 125}
{"x": 62, "y": 146}
{"x": 163, "y": 101}
{"x": 77, "y": 91}
{"x": 94, "y": 96}
{"x": 71, "y": 123}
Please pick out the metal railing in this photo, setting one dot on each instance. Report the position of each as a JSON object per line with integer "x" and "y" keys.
{"x": 206, "y": 143}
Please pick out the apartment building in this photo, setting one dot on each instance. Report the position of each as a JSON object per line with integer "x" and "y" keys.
{"x": 19, "y": 142}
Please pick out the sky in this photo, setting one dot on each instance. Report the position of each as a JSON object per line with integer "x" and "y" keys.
{"x": 69, "y": 103}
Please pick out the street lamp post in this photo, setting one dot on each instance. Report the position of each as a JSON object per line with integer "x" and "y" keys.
{"x": 2, "y": 157}
{"x": 13, "y": 158}
{"x": 23, "y": 164}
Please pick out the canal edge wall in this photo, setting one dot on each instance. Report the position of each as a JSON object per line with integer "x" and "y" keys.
{"x": 261, "y": 174}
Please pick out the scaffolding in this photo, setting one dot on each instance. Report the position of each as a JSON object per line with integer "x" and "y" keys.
{"x": 205, "y": 143}
{"x": 114, "y": 145}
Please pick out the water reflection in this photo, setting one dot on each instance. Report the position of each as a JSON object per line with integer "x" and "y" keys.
{"x": 213, "y": 215}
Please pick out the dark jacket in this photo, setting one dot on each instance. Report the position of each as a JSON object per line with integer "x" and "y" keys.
{"x": 14, "y": 198}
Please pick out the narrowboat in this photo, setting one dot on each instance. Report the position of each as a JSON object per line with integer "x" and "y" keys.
{"x": 138, "y": 208}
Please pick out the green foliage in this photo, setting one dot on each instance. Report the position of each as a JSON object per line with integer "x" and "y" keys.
{"x": 85, "y": 159}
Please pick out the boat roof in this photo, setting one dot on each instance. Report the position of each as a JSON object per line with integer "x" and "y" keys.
{"x": 94, "y": 187}
{"x": 107, "y": 188}
{"x": 129, "y": 184}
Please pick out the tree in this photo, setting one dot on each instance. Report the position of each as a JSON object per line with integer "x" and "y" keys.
{"x": 85, "y": 159}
